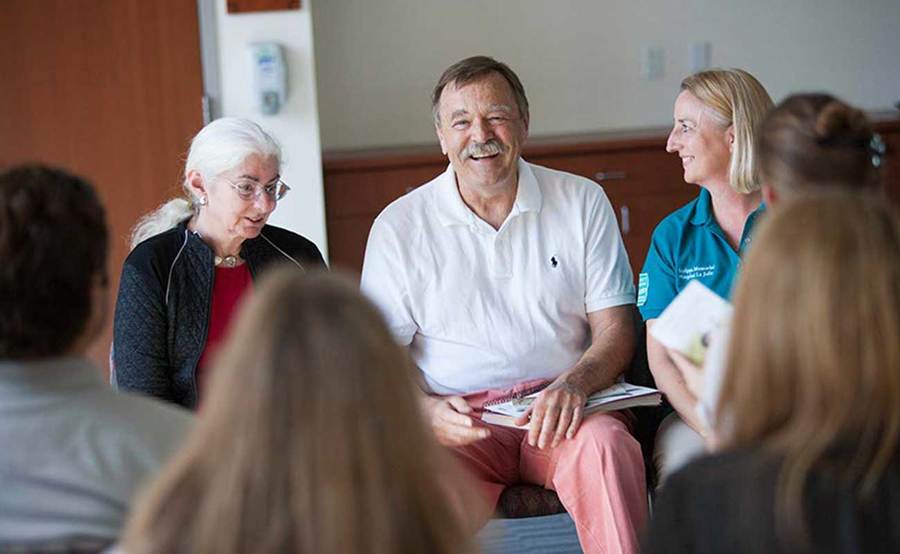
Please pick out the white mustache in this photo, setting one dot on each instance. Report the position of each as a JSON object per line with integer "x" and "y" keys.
{"x": 482, "y": 149}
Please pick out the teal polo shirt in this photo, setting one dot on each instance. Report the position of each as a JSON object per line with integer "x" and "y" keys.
{"x": 689, "y": 244}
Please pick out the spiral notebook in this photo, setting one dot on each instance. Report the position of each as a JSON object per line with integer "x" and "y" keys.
{"x": 617, "y": 397}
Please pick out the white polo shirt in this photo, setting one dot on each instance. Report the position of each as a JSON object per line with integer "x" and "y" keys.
{"x": 485, "y": 308}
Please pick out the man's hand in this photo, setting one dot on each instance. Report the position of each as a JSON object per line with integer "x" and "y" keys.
{"x": 558, "y": 411}
{"x": 555, "y": 414}
{"x": 450, "y": 422}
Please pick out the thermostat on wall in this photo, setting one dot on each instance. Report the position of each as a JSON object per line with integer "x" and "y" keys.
{"x": 269, "y": 76}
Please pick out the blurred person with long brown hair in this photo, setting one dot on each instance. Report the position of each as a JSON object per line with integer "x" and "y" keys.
{"x": 810, "y": 456}
{"x": 312, "y": 440}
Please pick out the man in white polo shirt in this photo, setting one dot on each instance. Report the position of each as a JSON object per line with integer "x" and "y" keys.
{"x": 503, "y": 277}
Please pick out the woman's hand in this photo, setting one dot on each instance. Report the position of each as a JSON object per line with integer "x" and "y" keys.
{"x": 692, "y": 375}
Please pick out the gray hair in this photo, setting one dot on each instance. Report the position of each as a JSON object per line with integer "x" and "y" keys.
{"x": 219, "y": 147}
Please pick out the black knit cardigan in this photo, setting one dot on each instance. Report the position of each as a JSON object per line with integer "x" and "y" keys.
{"x": 162, "y": 310}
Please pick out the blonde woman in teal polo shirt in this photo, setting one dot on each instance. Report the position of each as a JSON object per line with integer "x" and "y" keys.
{"x": 715, "y": 119}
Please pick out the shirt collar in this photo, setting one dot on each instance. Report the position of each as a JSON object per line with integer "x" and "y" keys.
{"x": 451, "y": 210}
{"x": 528, "y": 197}
{"x": 65, "y": 373}
{"x": 703, "y": 214}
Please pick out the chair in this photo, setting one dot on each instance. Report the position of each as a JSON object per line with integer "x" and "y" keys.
{"x": 526, "y": 500}
{"x": 69, "y": 546}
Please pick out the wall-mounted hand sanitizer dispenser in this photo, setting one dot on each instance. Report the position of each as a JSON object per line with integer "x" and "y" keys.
{"x": 269, "y": 76}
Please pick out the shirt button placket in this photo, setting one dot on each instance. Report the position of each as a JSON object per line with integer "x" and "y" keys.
{"x": 501, "y": 267}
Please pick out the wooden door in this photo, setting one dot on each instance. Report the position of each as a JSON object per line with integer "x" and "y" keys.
{"x": 109, "y": 89}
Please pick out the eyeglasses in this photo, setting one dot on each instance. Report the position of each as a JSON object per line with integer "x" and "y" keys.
{"x": 248, "y": 189}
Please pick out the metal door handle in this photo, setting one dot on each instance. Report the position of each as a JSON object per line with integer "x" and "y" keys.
{"x": 625, "y": 214}
{"x": 610, "y": 176}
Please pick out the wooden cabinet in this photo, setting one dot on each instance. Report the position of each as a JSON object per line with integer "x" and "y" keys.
{"x": 643, "y": 182}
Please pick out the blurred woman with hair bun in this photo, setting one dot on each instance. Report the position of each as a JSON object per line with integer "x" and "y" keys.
{"x": 813, "y": 142}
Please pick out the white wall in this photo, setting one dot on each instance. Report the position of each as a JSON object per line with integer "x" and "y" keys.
{"x": 580, "y": 59}
{"x": 297, "y": 124}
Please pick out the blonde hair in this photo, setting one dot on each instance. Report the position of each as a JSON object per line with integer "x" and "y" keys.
{"x": 813, "y": 373}
{"x": 222, "y": 145}
{"x": 740, "y": 101}
{"x": 311, "y": 440}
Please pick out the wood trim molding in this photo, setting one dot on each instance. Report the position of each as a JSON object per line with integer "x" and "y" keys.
{"x": 430, "y": 154}
{"x": 340, "y": 160}
{"x": 246, "y": 6}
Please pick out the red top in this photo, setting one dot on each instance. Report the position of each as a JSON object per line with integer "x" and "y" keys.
{"x": 229, "y": 286}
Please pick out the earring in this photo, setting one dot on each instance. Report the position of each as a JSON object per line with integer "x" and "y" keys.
{"x": 202, "y": 201}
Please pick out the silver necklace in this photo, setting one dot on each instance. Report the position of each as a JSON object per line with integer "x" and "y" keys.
{"x": 230, "y": 260}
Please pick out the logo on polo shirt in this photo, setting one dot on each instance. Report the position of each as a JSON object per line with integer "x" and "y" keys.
{"x": 553, "y": 261}
{"x": 696, "y": 272}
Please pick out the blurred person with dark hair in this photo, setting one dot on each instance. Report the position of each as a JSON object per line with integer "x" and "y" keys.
{"x": 72, "y": 450}
{"x": 311, "y": 441}
{"x": 809, "y": 416}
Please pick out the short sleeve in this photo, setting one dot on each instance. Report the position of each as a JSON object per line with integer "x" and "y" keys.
{"x": 608, "y": 278}
{"x": 656, "y": 282}
{"x": 384, "y": 281}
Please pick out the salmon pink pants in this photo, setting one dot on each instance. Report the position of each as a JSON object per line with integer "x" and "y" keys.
{"x": 598, "y": 474}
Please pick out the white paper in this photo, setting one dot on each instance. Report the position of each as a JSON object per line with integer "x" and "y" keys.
{"x": 688, "y": 322}
{"x": 616, "y": 394}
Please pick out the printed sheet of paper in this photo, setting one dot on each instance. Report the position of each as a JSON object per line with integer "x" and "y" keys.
{"x": 688, "y": 322}
{"x": 619, "y": 395}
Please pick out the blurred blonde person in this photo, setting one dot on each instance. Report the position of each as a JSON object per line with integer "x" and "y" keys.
{"x": 312, "y": 440}
{"x": 811, "y": 461}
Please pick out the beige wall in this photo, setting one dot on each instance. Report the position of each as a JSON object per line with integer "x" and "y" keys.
{"x": 580, "y": 60}
{"x": 297, "y": 124}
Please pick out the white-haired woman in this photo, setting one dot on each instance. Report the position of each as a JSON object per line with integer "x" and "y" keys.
{"x": 195, "y": 257}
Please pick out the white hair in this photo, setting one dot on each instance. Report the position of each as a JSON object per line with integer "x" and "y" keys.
{"x": 219, "y": 147}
